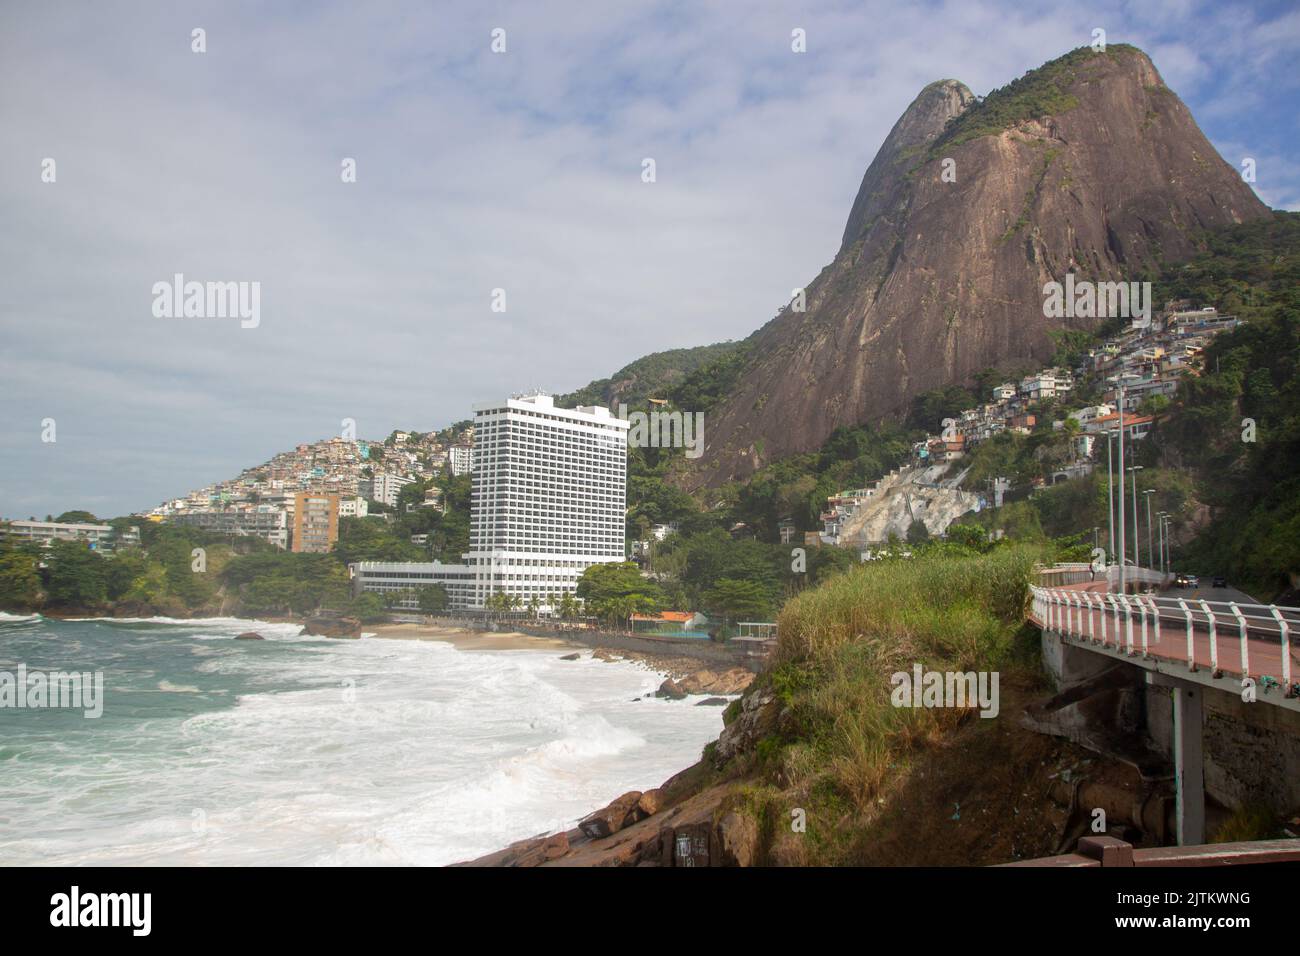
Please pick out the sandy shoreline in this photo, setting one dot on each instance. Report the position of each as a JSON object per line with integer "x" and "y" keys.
{"x": 468, "y": 640}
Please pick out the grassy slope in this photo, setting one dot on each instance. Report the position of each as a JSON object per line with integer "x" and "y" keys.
{"x": 844, "y": 754}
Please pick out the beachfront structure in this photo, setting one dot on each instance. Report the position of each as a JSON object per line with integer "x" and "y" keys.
{"x": 403, "y": 580}
{"x": 98, "y": 537}
{"x": 549, "y": 498}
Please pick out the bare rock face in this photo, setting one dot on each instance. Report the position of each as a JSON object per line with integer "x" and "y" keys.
{"x": 738, "y": 840}
{"x": 527, "y": 853}
{"x": 940, "y": 277}
{"x": 759, "y": 716}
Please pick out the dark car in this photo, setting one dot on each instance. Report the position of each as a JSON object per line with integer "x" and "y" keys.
{"x": 1219, "y": 581}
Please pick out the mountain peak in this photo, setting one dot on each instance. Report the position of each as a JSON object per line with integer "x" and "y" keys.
{"x": 923, "y": 120}
{"x": 1087, "y": 164}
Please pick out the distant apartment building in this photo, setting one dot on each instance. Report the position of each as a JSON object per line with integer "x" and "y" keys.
{"x": 98, "y": 537}
{"x": 269, "y": 523}
{"x": 315, "y": 522}
{"x": 460, "y": 459}
{"x": 1004, "y": 392}
{"x": 385, "y": 488}
{"x": 1046, "y": 384}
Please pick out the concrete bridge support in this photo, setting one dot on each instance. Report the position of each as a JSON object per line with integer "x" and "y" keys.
{"x": 1189, "y": 763}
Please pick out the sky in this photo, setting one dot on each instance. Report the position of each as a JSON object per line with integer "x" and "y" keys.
{"x": 476, "y": 171}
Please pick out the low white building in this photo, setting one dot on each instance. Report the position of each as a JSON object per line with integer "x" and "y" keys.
{"x": 353, "y": 507}
{"x": 98, "y": 537}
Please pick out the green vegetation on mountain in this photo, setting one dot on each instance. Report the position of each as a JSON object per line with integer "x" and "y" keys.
{"x": 652, "y": 376}
{"x": 1044, "y": 91}
{"x": 1249, "y": 477}
{"x": 1199, "y": 458}
{"x": 387, "y": 537}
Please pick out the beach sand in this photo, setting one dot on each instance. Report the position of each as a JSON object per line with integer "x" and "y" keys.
{"x": 469, "y": 640}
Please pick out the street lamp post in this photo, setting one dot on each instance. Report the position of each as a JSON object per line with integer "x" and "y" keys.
{"x": 1137, "y": 539}
{"x": 1110, "y": 491}
{"x": 1151, "y": 544}
{"x": 1164, "y": 543}
{"x": 1120, "y": 472}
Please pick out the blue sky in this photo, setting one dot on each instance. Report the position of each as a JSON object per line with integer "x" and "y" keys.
{"x": 476, "y": 171}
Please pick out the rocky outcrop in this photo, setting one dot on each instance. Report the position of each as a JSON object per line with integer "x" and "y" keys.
{"x": 899, "y": 500}
{"x": 941, "y": 276}
{"x": 531, "y": 852}
{"x": 620, "y": 813}
{"x": 738, "y": 840}
{"x": 759, "y": 717}
{"x": 734, "y": 680}
{"x": 250, "y": 636}
{"x": 670, "y": 689}
{"x": 651, "y": 802}
{"x": 329, "y": 625}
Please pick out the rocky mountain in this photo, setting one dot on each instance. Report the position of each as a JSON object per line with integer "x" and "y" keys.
{"x": 1088, "y": 165}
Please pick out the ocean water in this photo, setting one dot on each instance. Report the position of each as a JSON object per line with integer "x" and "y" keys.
{"x": 310, "y": 751}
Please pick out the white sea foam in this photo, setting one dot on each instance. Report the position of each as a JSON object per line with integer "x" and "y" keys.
{"x": 350, "y": 752}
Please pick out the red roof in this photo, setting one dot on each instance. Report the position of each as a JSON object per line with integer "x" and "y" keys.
{"x": 675, "y": 617}
{"x": 1128, "y": 419}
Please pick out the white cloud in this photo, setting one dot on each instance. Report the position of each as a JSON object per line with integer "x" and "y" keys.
{"x": 476, "y": 171}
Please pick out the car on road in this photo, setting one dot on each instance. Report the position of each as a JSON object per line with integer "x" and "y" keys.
{"x": 1219, "y": 581}
{"x": 1187, "y": 581}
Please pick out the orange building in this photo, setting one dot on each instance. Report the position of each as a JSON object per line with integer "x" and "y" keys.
{"x": 315, "y": 521}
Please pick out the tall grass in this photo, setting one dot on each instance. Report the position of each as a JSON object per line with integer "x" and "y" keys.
{"x": 941, "y": 602}
{"x": 839, "y": 644}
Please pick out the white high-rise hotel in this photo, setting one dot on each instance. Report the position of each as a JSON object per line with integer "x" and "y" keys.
{"x": 549, "y": 500}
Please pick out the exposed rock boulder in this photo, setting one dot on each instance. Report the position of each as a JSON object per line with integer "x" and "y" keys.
{"x": 330, "y": 625}
{"x": 651, "y": 802}
{"x": 670, "y": 689}
{"x": 713, "y": 702}
{"x": 250, "y": 636}
{"x": 571, "y": 657}
{"x": 621, "y": 812}
{"x": 734, "y": 680}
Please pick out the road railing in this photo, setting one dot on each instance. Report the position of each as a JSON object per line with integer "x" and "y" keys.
{"x": 1133, "y": 623}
